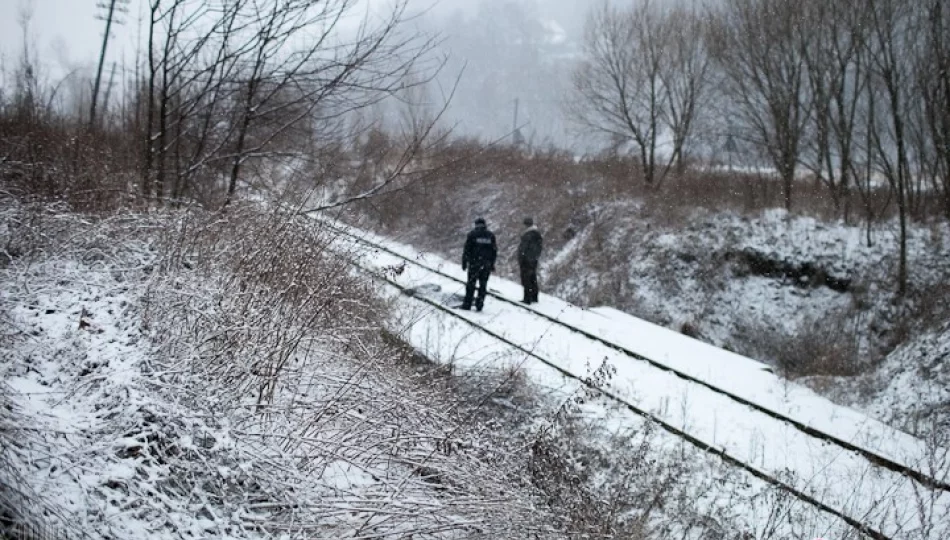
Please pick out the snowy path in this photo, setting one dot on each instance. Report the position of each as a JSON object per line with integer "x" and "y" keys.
{"x": 843, "y": 479}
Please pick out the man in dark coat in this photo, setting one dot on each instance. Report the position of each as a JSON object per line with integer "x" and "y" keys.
{"x": 529, "y": 251}
{"x": 478, "y": 258}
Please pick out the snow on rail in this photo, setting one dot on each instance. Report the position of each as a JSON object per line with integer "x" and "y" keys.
{"x": 840, "y": 478}
{"x": 743, "y": 377}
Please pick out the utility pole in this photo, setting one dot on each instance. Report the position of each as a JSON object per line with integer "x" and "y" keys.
{"x": 105, "y": 98}
{"x": 516, "y": 137}
{"x": 111, "y": 7}
{"x": 514, "y": 124}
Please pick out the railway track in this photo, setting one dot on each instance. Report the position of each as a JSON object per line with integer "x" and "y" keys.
{"x": 872, "y": 457}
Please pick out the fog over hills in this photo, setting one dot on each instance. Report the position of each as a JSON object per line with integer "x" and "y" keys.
{"x": 500, "y": 51}
{"x": 503, "y": 51}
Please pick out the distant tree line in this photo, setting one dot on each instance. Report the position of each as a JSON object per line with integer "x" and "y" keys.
{"x": 218, "y": 91}
{"x": 852, "y": 93}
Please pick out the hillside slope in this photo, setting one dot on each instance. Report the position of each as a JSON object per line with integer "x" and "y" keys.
{"x": 810, "y": 297}
{"x": 174, "y": 376}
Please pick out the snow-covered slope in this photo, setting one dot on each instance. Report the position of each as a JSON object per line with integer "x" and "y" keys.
{"x": 779, "y": 449}
{"x": 914, "y": 385}
{"x": 809, "y": 297}
{"x": 134, "y": 405}
{"x": 724, "y": 272}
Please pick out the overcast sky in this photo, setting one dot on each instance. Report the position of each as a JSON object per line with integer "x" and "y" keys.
{"x": 65, "y": 32}
{"x": 510, "y": 49}
{"x": 68, "y": 34}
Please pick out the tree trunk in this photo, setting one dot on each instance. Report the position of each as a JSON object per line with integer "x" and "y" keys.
{"x": 902, "y": 264}
{"x": 242, "y": 137}
{"x": 149, "y": 110}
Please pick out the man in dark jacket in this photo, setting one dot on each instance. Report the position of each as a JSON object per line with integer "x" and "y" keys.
{"x": 529, "y": 251}
{"x": 478, "y": 258}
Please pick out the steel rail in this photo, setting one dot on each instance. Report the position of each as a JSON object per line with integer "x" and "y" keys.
{"x": 871, "y": 456}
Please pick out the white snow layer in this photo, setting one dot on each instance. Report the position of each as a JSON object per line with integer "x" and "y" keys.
{"x": 840, "y": 478}
{"x": 113, "y": 436}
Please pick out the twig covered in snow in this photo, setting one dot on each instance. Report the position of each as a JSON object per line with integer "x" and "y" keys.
{"x": 224, "y": 375}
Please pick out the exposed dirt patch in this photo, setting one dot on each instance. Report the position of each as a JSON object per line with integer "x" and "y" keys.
{"x": 799, "y": 273}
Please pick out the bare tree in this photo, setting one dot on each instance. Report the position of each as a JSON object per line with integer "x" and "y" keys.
{"x": 327, "y": 78}
{"x": 685, "y": 77}
{"x": 836, "y": 58}
{"x": 933, "y": 80}
{"x": 891, "y": 52}
{"x": 26, "y": 95}
{"x": 758, "y": 48}
{"x": 619, "y": 87}
{"x": 242, "y": 82}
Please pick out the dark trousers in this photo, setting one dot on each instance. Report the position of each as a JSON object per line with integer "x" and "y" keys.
{"x": 529, "y": 279}
{"x": 477, "y": 275}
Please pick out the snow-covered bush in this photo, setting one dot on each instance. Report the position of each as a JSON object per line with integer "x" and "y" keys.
{"x": 251, "y": 299}
{"x": 222, "y": 375}
{"x": 820, "y": 346}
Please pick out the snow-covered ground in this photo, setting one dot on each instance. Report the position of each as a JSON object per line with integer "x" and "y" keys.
{"x": 141, "y": 398}
{"x": 722, "y": 277}
{"x": 133, "y": 385}
{"x": 842, "y": 479}
{"x": 915, "y": 385}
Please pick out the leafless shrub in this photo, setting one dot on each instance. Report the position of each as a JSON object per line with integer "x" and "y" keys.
{"x": 690, "y": 329}
{"x": 59, "y": 162}
{"x": 273, "y": 282}
{"x": 37, "y": 230}
{"x": 288, "y": 341}
{"x": 24, "y": 513}
{"x": 20, "y": 233}
{"x": 826, "y": 345}
{"x": 928, "y": 308}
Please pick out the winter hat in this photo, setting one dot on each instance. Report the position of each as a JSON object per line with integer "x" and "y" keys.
{"x": 480, "y": 221}
{"x": 528, "y": 222}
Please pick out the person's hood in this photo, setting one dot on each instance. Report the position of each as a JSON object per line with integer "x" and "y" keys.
{"x": 531, "y": 228}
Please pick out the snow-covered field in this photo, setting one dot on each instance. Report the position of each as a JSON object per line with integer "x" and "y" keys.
{"x": 844, "y": 480}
